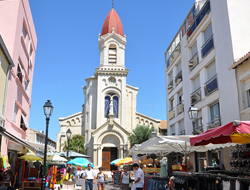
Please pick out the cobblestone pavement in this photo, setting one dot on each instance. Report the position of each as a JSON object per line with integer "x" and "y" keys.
{"x": 108, "y": 186}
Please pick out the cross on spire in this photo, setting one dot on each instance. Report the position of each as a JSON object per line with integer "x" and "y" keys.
{"x": 112, "y": 4}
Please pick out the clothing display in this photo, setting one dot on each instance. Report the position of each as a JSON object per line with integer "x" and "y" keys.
{"x": 237, "y": 185}
{"x": 226, "y": 185}
{"x": 163, "y": 171}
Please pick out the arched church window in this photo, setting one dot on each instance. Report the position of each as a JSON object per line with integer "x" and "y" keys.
{"x": 115, "y": 106}
{"x": 111, "y": 102}
{"x": 112, "y": 54}
{"x": 107, "y": 106}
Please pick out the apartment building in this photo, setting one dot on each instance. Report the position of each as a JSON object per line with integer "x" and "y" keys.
{"x": 19, "y": 35}
{"x": 211, "y": 38}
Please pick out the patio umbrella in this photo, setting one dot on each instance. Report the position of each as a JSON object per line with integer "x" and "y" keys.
{"x": 56, "y": 158}
{"x": 233, "y": 132}
{"x": 80, "y": 162}
{"x": 31, "y": 157}
{"x": 115, "y": 161}
{"x": 73, "y": 154}
{"x": 123, "y": 161}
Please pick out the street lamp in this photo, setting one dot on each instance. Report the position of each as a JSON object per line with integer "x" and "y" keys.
{"x": 48, "y": 109}
{"x": 68, "y": 133}
{"x": 193, "y": 115}
{"x": 153, "y": 134}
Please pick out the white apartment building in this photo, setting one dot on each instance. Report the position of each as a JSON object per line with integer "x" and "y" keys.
{"x": 214, "y": 34}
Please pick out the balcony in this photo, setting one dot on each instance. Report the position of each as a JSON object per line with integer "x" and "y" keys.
{"x": 171, "y": 114}
{"x": 199, "y": 126}
{"x": 180, "y": 108}
{"x": 196, "y": 96}
{"x": 214, "y": 123}
{"x": 207, "y": 46}
{"x": 211, "y": 86}
{"x": 182, "y": 132}
{"x": 175, "y": 53}
{"x": 205, "y": 10}
{"x": 170, "y": 86}
{"x": 193, "y": 62}
{"x": 178, "y": 78}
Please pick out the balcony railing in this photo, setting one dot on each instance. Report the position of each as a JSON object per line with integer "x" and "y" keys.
{"x": 211, "y": 86}
{"x": 173, "y": 134}
{"x": 196, "y": 96}
{"x": 193, "y": 62}
{"x": 182, "y": 132}
{"x": 214, "y": 123}
{"x": 199, "y": 126}
{"x": 178, "y": 78}
{"x": 207, "y": 47}
{"x": 205, "y": 10}
{"x": 171, "y": 114}
{"x": 180, "y": 108}
{"x": 174, "y": 54}
{"x": 170, "y": 86}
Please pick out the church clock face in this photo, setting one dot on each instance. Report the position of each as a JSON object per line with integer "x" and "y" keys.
{"x": 112, "y": 80}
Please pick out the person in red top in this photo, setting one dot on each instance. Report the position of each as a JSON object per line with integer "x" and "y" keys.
{"x": 79, "y": 172}
{"x": 184, "y": 165}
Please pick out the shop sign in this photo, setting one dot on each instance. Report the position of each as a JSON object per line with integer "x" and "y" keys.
{"x": 39, "y": 154}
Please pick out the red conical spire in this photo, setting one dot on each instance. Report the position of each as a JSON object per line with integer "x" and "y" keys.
{"x": 112, "y": 21}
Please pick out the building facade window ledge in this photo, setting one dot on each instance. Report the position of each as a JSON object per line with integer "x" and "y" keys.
{"x": 246, "y": 111}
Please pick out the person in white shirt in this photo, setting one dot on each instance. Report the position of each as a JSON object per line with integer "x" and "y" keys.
{"x": 139, "y": 177}
{"x": 90, "y": 177}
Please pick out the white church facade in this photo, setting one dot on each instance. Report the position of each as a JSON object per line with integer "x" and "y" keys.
{"x": 109, "y": 113}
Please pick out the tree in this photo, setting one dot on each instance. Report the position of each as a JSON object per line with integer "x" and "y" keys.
{"x": 76, "y": 143}
{"x": 140, "y": 134}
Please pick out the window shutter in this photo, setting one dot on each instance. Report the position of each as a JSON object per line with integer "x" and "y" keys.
{"x": 196, "y": 82}
{"x": 194, "y": 49}
{"x": 211, "y": 70}
{"x": 208, "y": 33}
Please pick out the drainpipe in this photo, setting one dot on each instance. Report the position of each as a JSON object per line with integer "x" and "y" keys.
{"x": 5, "y": 93}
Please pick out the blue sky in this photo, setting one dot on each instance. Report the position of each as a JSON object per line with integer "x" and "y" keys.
{"x": 67, "y": 52}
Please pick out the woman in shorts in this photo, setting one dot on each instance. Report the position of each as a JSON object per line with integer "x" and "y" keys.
{"x": 100, "y": 179}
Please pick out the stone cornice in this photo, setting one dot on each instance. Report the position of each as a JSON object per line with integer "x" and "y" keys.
{"x": 111, "y": 71}
{"x": 150, "y": 118}
{"x": 117, "y": 37}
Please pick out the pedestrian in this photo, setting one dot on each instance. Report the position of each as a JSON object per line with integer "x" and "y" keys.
{"x": 222, "y": 167}
{"x": 125, "y": 175}
{"x": 90, "y": 177}
{"x": 79, "y": 169}
{"x": 14, "y": 184}
{"x": 139, "y": 177}
{"x": 100, "y": 179}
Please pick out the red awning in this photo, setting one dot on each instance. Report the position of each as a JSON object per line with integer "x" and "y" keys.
{"x": 233, "y": 132}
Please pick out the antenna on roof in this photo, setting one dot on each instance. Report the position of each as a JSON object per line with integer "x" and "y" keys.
{"x": 112, "y": 4}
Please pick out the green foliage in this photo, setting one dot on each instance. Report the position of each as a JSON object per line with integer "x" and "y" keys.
{"x": 140, "y": 134}
{"x": 76, "y": 143}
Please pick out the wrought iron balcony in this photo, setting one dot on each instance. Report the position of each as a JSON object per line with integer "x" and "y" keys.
{"x": 170, "y": 86}
{"x": 211, "y": 86}
{"x": 182, "y": 132}
{"x": 193, "y": 62}
{"x": 178, "y": 78}
{"x": 171, "y": 114}
{"x": 207, "y": 46}
{"x": 196, "y": 96}
{"x": 180, "y": 108}
{"x": 214, "y": 123}
{"x": 205, "y": 10}
{"x": 199, "y": 126}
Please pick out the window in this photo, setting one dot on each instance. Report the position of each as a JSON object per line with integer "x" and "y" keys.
{"x": 23, "y": 122}
{"x": 211, "y": 84}
{"x": 211, "y": 71}
{"x": 20, "y": 72}
{"x": 14, "y": 112}
{"x": 24, "y": 31}
{"x": 193, "y": 49}
{"x": 196, "y": 83}
{"x": 180, "y": 97}
{"x": 215, "y": 113}
{"x": 208, "y": 33}
{"x": 182, "y": 127}
{"x": 208, "y": 41}
{"x": 111, "y": 101}
{"x": 248, "y": 98}
{"x": 112, "y": 54}
{"x": 171, "y": 104}
{"x": 194, "y": 57}
{"x": 26, "y": 85}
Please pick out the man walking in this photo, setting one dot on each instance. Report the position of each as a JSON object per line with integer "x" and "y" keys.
{"x": 139, "y": 177}
{"x": 89, "y": 176}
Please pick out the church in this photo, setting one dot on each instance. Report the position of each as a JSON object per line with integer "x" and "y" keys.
{"x": 109, "y": 114}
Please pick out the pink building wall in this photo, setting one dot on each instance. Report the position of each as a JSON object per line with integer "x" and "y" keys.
{"x": 13, "y": 15}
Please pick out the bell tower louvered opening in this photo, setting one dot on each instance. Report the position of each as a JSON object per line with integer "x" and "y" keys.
{"x": 112, "y": 54}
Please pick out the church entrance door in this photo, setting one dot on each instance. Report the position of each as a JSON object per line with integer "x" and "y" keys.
{"x": 108, "y": 155}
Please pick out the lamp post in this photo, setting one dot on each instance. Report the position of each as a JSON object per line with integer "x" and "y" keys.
{"x": 68, "y": 133}
{"x": 193, "y": 115}
{"x": 48, "y": 109}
